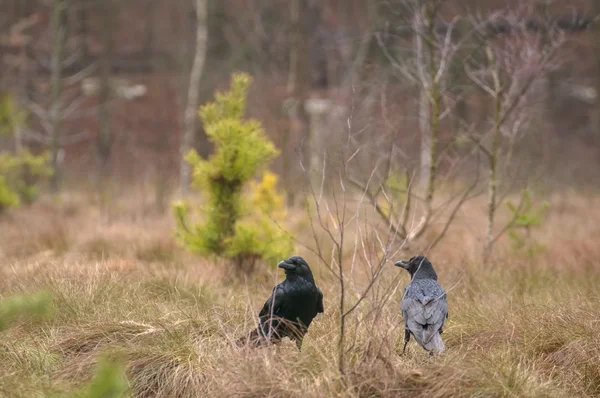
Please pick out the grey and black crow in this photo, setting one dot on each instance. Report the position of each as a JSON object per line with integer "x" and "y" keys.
{"x": 289, "y": 311}
{"x": 424, "y": 305}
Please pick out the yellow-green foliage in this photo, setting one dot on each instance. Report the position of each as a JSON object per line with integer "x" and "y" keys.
{"x": 109, "y": 381}
{"x": 232, "y": 225}
{"x": 24, "y": 306}
{"x": 12, "y": 116}
{"x": 396, "y": 188}
{"x": 398, "y": 185}
{"x": 525, "y": 217}
{"x": 19, "y": 173}
{"x": 19, "y": 176}
{"x": 8, "y": 198}
{"x": 259, "y": 233}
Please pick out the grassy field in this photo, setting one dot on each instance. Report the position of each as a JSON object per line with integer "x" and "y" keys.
{"x": 521, "y": 328}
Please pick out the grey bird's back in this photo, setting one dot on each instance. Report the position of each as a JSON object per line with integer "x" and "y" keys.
{"x": 425, "y": 309}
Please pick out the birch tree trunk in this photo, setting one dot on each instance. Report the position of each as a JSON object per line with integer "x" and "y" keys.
{"x": 104, "y": 138}
{"x": 293, "y": 91}
{"x": 190, "y": 115}
{"x": 82, "y": 30}
{"x": 596, "y": 112}
{"x": 149, "y": 34}
{"x": 429, "y": 98}
{"x": 318, "y": 110}
{"x": 59, "y": 32}
{"x": 493, "y": 157}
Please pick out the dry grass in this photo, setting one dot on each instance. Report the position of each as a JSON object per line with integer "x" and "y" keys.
{"x": 526, "y": 328}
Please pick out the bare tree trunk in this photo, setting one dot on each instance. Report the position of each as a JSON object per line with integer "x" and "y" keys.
{"x": 493, "y": 158}
{"x": 149, "y": 34}
{"x": 424, "y": 106}
{"x": 82, "y": 30}
{"x": 461, "y": 91}
{"x": 430, "y": 98}
{"x": 294, "y": 46}
{"x": 435, "y": 98}
{"x": 104, "y": 138}
{"x": 359, "y": 56}
{"x": 25, "y": 84}
{"x": 424, "y": 111}
{"x": 23, "y": 8}
{"x": 318, "y": 109}
{"x": 596, "y": 115}
{"x": 292, "y": 92}
{"x": 58, "y": 30}
{"x": 190, "y": 114}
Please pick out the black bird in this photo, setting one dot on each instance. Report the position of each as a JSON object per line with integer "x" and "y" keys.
{"x": 289, "y": 311}
{"x": 424, "y": 305}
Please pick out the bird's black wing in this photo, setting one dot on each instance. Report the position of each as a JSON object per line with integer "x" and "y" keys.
{"x": 274, "y": 304}
{"x": 272, "y": 308}
{"x": 320, "y": 301}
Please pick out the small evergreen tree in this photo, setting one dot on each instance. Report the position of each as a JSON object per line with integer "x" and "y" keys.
{"x": 8, "y": 198}
{"x": 12, "y": 116}
{"x": 21, "y": 172}
{"x": 234, "y": 226}
{"x": 526, "y": 217}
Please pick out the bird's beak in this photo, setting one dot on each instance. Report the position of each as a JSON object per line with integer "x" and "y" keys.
{"x": 402, "y": 264}
{"x": 286, "y": 266}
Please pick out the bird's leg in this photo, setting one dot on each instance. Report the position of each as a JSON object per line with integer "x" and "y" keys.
{"x": 406, "y": 339}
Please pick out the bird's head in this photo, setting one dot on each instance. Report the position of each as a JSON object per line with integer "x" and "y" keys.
{"x": 296, "y": 266}
{"x": 418, "y": 266}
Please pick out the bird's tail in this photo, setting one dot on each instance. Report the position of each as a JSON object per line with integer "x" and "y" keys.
{"x": 434, "y": 343}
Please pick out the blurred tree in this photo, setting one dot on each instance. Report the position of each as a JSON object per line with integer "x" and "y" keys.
{"x": 59, "y": 8}
{"x": 596, "y": 116}
{"x": 20, "y": 172}
{"x": 150, "y": 28}
{"x": 189, "y": 126}
{"x": 426, "y": 66}
{"x": 524, "y": 218}
{"x": 298, "y": 86}
{"x": 12, "y": 119}
{"x": 21, "y": 175}
{"x": 509, "y": 75}
{"x": 218, "y": 22}
{"x": 80, "y": 12}
{"x": 108, "y": 11}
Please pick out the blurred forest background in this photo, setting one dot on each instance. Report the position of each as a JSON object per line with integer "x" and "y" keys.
{"x": 104, "y": 85}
